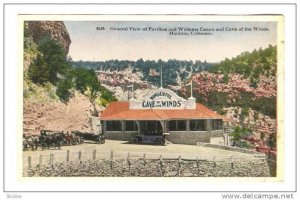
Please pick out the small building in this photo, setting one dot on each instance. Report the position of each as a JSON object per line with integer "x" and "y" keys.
{"x": 162, "y": 111}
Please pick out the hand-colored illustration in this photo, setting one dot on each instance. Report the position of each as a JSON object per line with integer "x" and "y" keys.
{"x": 150, "y": 98}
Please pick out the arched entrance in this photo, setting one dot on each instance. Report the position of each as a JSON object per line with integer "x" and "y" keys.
{"x": 151, "y": 127}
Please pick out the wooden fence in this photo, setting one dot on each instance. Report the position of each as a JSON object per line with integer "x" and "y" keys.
{"x": 49, "y": 159}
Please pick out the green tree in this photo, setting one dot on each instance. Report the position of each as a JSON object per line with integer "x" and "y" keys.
{"x": 107, "y": 95}
{"x": 238, "y": 133}
{"x": 86, "y": 79}
{"x": 63, "y": 88}
{"x": 252, "y": 65}
{"x": 87, "y": 83}
{"x": 50, "y": 62}
{"x": 38, "y": 70}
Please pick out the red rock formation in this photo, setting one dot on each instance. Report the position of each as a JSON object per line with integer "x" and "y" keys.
{"x": 55, "y": 29}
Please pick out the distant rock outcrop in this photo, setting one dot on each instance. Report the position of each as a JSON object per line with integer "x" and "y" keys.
{"x": 55, "y": 29}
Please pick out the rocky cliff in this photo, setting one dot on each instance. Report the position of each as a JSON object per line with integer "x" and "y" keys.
{"x": 55, "y": 29}
{"x": 56, "y": 115}
{"x": 42, "y": 108}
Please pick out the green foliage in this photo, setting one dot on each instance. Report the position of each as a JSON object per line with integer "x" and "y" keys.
{"x": 51, "y": 67}
{"x": 225, "y": 79}
{"x": 86, "y": 79}
{"x": 222, "y": 111}
{"x": 64, "y": 87}
{"x": 87, "y": 83}
{"x": 244, "y": 144}
{"x": 238, "y": 133}
{"x": 30, "y": 49}
{"x": 252, "y": 65}
{"x": 50, "y": 61}
{"x": 39, "y": 93}
{"x": 271, "y": 141}
{"x": 62, "y": 91}
{"x": 38, "y": 71}
{"x": 107, "y": 96}
{"x": 218, "y": 100}
{"x": 28, "y": 41}
{"x": 245, "y": 112}
{"x": 171, "y": 68}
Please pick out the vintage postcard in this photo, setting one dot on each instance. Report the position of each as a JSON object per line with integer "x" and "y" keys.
{"x": 152, "y": 96}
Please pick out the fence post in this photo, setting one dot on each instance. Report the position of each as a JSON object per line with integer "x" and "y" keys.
{"x": 144, "y": 163}
{"x": 179, "y": 165}
{"x": 79, "y": 155}
{"x": 51, "y": 158}
{"x": 94, "y": 154}
{"x": 128, "y": 161}
{"x": 29, "y": 162}
{"x": 161, "y": 165}
{"x": 197, "y": 163}
{"x": 128, "y": 157}
{"x": 68, "y": 156}
{"x": 111, "y": 159}
{"x": 144, "y": 159}
{"x": 111, "y": 155}
{"x": 40, "y": 161}
{"x": 214, "y": 160}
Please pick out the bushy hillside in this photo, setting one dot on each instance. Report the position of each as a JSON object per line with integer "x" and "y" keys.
{"x": 174, "y": 71}
{"x": 212, "y": 89}
{"x": 247, "y": 81}
{"x": 243, "y": 88}
{"x": 252, "y": 65}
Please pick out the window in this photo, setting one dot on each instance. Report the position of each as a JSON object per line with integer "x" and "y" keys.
{"x": 130, "y": 126}
{"x": 217, "y": 124}
{"x": 113, "y": 126}
{"x": 151, "y": 127}
{"x": 198, "y": 125}
{"x": 173, "y": 125}
{"x": 177, "y": 125}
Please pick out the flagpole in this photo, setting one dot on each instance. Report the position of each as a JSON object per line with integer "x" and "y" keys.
{"x": 191, "y": 87}
{"x": 161, "y": 76}
{"x": 132, "y": 95}
{"x": 191, "y": 81}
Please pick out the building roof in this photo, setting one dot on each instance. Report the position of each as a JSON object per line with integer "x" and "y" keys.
{"x": 121, "y": 111}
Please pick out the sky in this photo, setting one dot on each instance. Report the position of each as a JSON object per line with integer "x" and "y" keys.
{"x": 117, "y": 41}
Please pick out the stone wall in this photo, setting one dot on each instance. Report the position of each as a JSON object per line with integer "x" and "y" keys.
{"x": 128, "y": 135}
{"x": 113, "y": 135}
{"x": 176, "y": 137}
{"x": 118, "y": 135}
{"x": 192, "y": 137}
{"x": 153, "y": 168}
{"x": 229, "y": 148}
